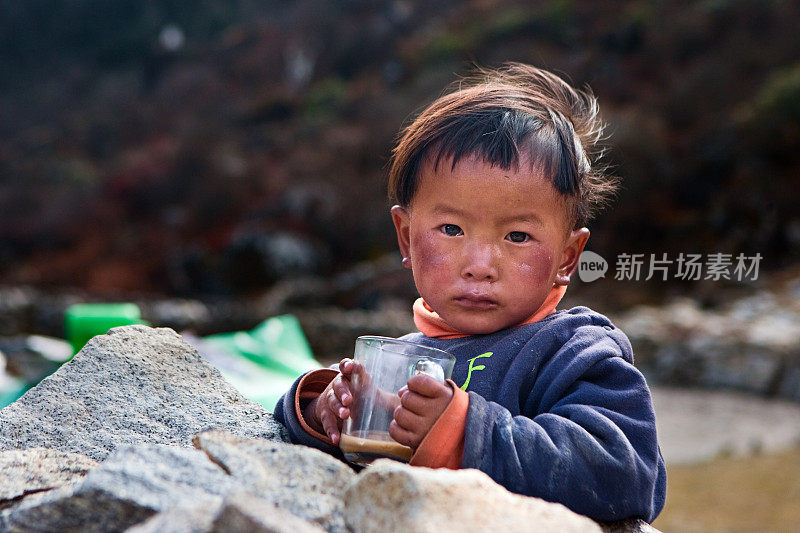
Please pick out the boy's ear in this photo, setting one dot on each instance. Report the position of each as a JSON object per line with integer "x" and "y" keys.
{"x": 570, "y": 257}
{"x": 402, "y": 226}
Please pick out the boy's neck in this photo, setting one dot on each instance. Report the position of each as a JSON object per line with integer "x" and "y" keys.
{"x": 432, "y": 325}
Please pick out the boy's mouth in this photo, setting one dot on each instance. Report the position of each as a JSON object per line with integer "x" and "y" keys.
{"x": 475, "y": 301}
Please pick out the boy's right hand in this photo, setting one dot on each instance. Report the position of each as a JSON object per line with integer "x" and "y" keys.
{"x": 327, "y": 411}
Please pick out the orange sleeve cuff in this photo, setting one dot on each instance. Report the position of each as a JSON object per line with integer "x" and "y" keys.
{"x": 443, "y": 446}
{"x": 311, "y": 386}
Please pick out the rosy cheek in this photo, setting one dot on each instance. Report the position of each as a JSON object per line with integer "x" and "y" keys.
{"x": 537, "y": 267}
{"x": 429, "y": 254}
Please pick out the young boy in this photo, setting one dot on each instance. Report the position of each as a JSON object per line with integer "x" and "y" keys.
{"x": 494, "y": 185}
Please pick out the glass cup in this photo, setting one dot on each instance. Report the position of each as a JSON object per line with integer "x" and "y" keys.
{"x": 382, "y": 367}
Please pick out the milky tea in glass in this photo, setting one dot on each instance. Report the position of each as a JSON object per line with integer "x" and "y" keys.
{"x": 382, "y": 367}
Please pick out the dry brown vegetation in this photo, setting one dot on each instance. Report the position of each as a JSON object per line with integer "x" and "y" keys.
{"x": 755, "y": 494}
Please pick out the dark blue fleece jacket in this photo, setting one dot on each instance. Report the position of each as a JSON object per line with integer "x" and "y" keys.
{"x": 556, "y": 410}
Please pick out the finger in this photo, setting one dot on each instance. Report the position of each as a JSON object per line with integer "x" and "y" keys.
{"x": 386, "y": 400}
{"x": 346, "y": 367}
{"x": 409, "y": 420}
{"x": 427, "y": 386}
{"x": 335, "y": 405}
{"x": 355, "y": 368}
{"x": 331, "y": 426}
{"x": 403, "y": 436}
{"x": 349, "y": 366}
{"x": 416, "y": 403}
{"x": 341, "y": 388}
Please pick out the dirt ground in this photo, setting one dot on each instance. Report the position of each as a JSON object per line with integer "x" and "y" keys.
{"x": 695, "y": 426}
{"x": 733, "y": 462}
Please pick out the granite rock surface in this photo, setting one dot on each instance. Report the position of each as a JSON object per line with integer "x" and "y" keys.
{"x": 389, "y": 496}
{"x": 303, "y": 481}
{"x": 135, "y": 385}
{"x": 131, "y": 485}
{"x": 137, "y": 433}
{"x": 39, "y": 469}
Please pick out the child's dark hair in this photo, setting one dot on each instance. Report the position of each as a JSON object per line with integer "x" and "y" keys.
{"x": 497, "y": 114}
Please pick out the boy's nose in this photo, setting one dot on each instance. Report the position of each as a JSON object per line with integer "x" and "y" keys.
{"x": 480, "y": 263}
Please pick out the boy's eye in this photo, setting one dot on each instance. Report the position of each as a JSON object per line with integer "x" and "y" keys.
{"x": 518, "y": 236}
{"x": 451, "y": 230}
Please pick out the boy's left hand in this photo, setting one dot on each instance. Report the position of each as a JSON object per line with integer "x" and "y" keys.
{"x": 422, "y": 402}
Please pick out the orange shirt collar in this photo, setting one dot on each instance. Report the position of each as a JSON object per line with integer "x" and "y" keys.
{"x": 432, "y": 325}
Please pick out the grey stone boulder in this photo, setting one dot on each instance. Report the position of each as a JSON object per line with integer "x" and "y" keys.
{"x": 134, "y": 385}
{"x": 238, "y": 513}
{"x": 138, "y": 398}
{"x": 629, "y": 526}
{"x": 183, "y": 518}
{"x": 390, "y": 496}
{"x": 248, "y": 514}
{"x": 302, "y": 481}
{"x": 127, "y": 488}
{"x": 228, "y": 484}
{"x": 24, "y": 472}
{"x": 747, "y": 344}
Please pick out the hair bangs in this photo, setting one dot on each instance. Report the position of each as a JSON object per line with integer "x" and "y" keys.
{"x": 494, "y": 135}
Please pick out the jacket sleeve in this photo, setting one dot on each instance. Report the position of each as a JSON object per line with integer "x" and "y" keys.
{"x": 288, "y": 411}
{"x": 585, "y": 436}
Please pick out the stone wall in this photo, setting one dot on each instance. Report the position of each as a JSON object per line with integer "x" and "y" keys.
{"x": 750, "y": 344}
{"x": 139, "y": 433}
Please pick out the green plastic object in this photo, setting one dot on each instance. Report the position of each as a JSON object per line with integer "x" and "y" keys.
{"x": 270, "y": 357}
{"x": 86, "y": 320}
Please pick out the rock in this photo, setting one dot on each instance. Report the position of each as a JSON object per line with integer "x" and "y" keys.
{"x": 747, "y": 345}
{"x": 390, "y": 496}
{"x": 191, "y": 518}
{"x": 16, "y": 304}
{"x": 39, "y": 469}
{"x": 305, "y": 482}
{"x": 177, "y": 314}
{"x": 130, "y": 486}
{"x": 247, "y": 485}
{"x": 23, "y": 361}
{"x": 258, "y": 258}
{"x": 136, "y": 397}
{"x": 246, "y": 514}
{"x": 134, "y": 385}
{"x": 238, "y": 513}
{"x": 629, "y": 526}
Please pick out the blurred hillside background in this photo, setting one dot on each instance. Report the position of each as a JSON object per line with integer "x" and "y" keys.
{"x": 214, "y": 147}
{"x": 221, "y": 161}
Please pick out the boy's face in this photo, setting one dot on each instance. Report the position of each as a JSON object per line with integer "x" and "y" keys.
{"x": 486, "y": 245}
